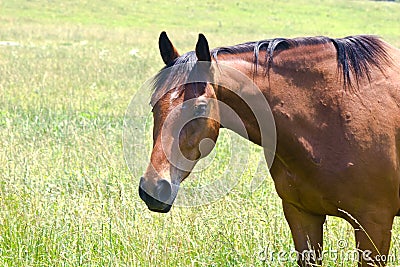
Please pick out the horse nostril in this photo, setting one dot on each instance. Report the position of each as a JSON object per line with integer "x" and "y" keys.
{"x": 164, "y": 190}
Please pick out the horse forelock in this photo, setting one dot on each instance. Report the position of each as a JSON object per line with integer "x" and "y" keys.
{"x": 172, "y": 76}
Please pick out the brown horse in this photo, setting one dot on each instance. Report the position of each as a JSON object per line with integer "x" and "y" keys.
{"x": 336, "y": 105}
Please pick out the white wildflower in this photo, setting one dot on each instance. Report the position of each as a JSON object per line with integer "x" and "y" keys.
{"x": 134, "y": 52}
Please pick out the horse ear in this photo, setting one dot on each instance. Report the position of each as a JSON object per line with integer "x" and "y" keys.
{"x": 202, "y": 49}
{"x": 167, "y": 50}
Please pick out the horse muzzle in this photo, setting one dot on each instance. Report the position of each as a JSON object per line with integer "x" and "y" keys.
{"x": 160, "y": 197}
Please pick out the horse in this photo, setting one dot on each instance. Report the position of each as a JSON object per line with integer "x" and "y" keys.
{"x": 336, "y": 109}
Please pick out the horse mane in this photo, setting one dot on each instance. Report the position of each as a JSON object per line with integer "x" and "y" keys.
{"x": 356, "y": 55}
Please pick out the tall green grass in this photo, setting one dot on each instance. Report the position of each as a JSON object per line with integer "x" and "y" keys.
{"x": 66, "y": 195}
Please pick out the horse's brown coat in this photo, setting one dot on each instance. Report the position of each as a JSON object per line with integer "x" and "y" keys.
{"x": 338, "y": 142}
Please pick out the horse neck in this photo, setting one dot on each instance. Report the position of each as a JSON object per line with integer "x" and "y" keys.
{"x": 290, "y": 88}
{"x": 242, "y": 96}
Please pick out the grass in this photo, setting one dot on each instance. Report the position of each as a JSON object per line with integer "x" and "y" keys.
{"x": 66, "y": 195}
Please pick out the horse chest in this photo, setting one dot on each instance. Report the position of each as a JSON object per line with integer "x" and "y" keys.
{"x": 302, "y": 189}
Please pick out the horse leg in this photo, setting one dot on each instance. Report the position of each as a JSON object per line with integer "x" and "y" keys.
{"x": 373, "y": 239}
{"x": 307, "y": 232}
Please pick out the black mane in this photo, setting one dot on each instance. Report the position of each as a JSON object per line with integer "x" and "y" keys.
{"x": 355, "y": 57}
{"x": 355, "y": 54}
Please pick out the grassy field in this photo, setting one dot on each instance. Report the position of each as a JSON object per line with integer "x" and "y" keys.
{"x": 66, "y": 195}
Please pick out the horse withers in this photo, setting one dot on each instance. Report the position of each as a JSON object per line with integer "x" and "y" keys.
{"x": 336, "y": 106}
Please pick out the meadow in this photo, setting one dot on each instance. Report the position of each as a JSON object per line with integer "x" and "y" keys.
{"x": 69, "y": 69}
